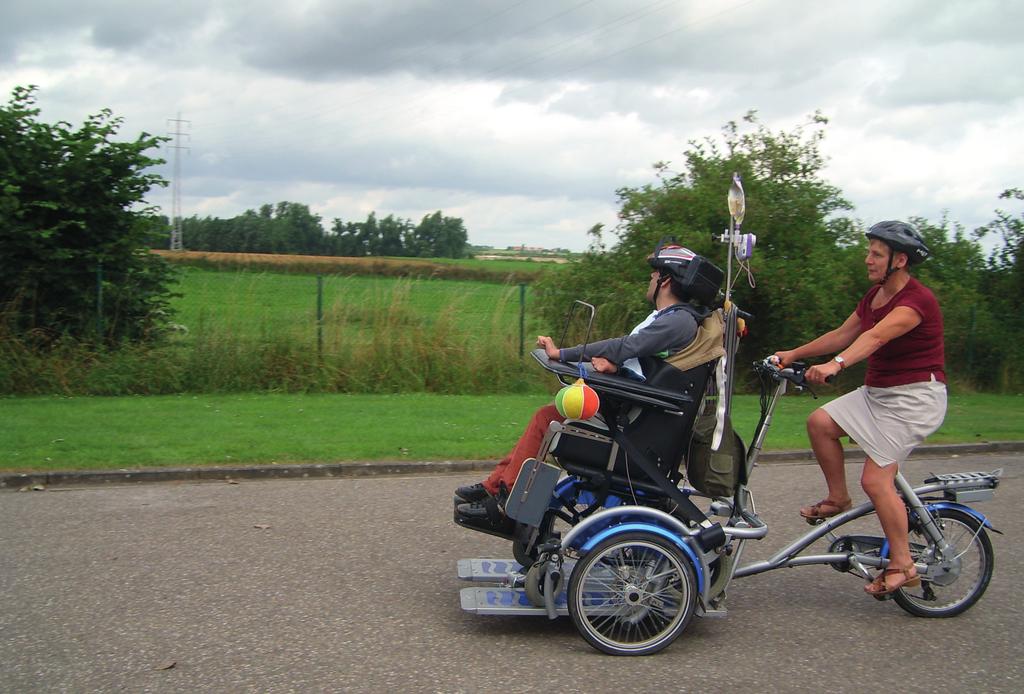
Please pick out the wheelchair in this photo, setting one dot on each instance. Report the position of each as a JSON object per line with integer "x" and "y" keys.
{"x": 633, "y": 452}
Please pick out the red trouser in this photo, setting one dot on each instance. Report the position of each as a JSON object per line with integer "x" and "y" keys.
{"x": 527, "y": 447}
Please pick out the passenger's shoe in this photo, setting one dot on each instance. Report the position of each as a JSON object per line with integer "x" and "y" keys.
{"x": 470, "y": 493}
{"x": 487, "y": 517}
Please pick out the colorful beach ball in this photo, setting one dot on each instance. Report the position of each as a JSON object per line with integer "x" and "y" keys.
{"x": 578, "y": 401}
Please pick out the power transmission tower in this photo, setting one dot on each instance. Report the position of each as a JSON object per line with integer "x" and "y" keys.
{"x": 176, "y": 244}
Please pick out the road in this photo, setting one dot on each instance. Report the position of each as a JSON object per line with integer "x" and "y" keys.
{"x": 350, "y": 585}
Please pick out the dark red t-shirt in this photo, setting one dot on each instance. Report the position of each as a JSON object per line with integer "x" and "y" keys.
{"x": 915, "y": 356}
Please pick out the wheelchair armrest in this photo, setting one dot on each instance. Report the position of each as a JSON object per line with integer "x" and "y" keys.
{"x": 616, "y": 385}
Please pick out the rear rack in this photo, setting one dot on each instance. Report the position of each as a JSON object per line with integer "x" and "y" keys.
{"x": 964, "y": 487}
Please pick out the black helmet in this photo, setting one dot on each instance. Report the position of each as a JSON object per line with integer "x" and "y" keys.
{"x": 902, "y": 237}
{"x": 671, "y": 259}
{"x": 697, "y": 277}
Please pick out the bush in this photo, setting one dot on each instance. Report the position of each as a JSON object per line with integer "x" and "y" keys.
{"x": 72, "y": 237}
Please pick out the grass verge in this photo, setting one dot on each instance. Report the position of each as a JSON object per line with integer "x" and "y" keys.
{"x": 51, "y": 433}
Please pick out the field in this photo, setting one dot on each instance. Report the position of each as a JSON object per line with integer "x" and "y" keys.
{"x": 251, "y": 304}
{"x": 413, "y": 368}
{"x": 257, "y": 331}
{"x": 510, "y": 271}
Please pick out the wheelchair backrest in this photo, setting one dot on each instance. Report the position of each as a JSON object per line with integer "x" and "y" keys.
{"x": 665, "y": 436}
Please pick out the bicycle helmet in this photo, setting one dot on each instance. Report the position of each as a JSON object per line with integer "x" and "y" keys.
{"x": 697, "y": 277}
{"x": 901, "y": 237}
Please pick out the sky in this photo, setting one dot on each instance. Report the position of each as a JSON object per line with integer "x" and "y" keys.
{"x": 525, "y": 117}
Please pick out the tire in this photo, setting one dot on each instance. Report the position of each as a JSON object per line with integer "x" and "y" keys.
{"x": 534, "y": 584}
{"x": 957, "y": 582}
{"x": 632, "y": 594}
{"x": 527, "y": 555}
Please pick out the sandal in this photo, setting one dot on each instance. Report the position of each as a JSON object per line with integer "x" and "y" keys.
{"x": 880, "y": 586}
{"x": 826, "y": 508}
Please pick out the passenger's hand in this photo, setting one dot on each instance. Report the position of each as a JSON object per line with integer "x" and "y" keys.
{"x": 785, "y": 357}
{"x": 549, "y": 347}
{"x": 819, "y": 372}
{"x": 602, "y": 365}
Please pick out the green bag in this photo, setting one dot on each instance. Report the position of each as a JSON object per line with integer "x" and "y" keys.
{"x": 715, "y": 473}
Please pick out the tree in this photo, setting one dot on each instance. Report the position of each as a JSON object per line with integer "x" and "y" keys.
{"x": 1002, "y": 287}
{"x": 955, "y": 273}
{"x": 72, "y": 211}
{"x": 438, "y": 236}
{"x": 803, "y": 256}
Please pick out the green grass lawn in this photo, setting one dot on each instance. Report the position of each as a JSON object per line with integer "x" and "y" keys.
{"x": 51, "y": 433}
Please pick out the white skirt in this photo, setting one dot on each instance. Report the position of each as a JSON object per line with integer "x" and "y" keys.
{"x": 889, "y": 423}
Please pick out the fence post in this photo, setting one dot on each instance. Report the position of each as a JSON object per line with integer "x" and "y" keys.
{"x": 522, "y": 318}
{"x": 320, "y": 316}
{"x": 99, "y": 299}
{"x": 970, "y": 342}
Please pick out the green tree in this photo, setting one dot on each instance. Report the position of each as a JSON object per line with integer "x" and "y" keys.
{"x": 1002, "y": 287}
{"x": 955, "y": 273}
{"x": 437, "y": 236}
{"x": 72, "y": 204}
{"x": 393, "y": 233}
{"x": 803, "y": 261}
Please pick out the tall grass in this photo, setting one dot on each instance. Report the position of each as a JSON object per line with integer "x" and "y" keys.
{"x": 383, "y": 336}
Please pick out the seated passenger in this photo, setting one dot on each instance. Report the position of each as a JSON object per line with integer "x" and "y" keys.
{"x": 670, "y": 328}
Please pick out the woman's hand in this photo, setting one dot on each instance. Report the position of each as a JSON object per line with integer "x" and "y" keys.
{"x": 549, "y": 347}
{"x": 819, "y": 372}
{"x": 785, "y": 357}
{"x": 602, "y": 365}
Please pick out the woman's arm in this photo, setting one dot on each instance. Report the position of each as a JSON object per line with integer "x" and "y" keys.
{"x": 900, "y": 321}
{"x": 832, "y": 341}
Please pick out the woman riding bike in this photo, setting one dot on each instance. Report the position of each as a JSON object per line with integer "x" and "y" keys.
{"x": 897, "y": 328}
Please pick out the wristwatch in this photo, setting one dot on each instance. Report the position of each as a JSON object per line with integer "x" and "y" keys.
{"x": 839, "y": 360}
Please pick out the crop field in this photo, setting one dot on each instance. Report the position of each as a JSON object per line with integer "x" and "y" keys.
{"x": 501, "y": 271}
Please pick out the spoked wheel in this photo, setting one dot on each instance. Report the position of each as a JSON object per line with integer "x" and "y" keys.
{"x": 632, "y": 594}
{"x": 956, "y": 579}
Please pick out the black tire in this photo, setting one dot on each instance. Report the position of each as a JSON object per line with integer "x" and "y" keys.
{"x": 955, "y": 583}
{"x": 632, "y": 594}
{"x": 527, "y": 554}
{"x": 534, "y": 584}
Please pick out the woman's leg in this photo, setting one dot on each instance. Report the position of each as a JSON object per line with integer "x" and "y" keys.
{"x": 824, "y": 434}
{"x": 879, "y": 484}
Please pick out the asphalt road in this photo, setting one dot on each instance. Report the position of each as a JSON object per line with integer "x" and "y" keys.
{"x": 350, "y": 585}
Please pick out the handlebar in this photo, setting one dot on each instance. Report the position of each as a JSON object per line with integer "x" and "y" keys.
{"x": 795, "y": 373}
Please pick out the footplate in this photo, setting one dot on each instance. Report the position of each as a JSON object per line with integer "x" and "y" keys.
{"x": 502, "y": 571}
{"x": 497, "y": 600}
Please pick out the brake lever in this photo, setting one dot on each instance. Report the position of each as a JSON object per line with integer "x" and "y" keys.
{"x": 799, "y": 369}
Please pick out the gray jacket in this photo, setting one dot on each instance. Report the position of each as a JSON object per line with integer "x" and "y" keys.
{"x": 672, "y": 329}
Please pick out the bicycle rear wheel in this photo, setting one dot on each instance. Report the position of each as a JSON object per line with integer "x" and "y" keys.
{"x": 956, "y": 580}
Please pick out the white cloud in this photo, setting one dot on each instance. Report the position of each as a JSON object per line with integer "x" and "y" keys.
{"x": 525, "y": 117}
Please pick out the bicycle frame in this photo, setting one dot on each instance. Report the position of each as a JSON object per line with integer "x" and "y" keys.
{"x": 789, "y": 556}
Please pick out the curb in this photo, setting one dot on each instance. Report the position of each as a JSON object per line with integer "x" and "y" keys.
{"x": 29, "y": 480}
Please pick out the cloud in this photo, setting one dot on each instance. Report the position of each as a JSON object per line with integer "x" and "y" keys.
{"x": 526, "y": 116}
